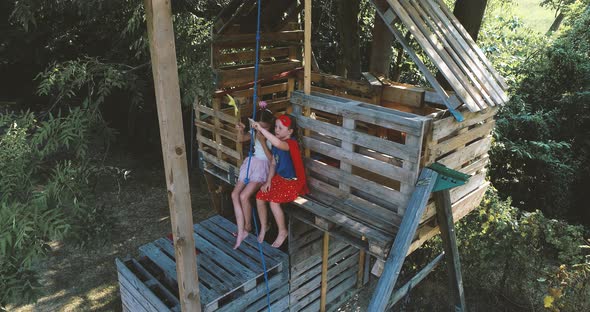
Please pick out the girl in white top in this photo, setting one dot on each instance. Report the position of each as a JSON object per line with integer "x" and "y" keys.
{"x": 258, "y": 173}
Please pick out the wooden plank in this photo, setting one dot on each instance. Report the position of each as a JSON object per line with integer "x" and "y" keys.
{"x": 334, "y": 82}
{"x": 460, "y": 57}
{"x": 249, "y": 56}
{"x": 402, "y": 151}
{"x": 441, "y": 58}
{"x": 403, "y": 240}
{"x": 460, "y": 140}
{"x": 341, "y": 219}
{"x": 155, "y": 282}
{"x": 388, "y": 17}
{"x": 324, "y": 287}
{"x": 380, "y": 116}
{"x": 226, "y": 150}
{"x": 373, "y": 165}
{"x": 375, "y": 215}
{"x": 447, "y": 126}
{"x": 164, "y": 68}
{"x": 455, "y": 160}
{"x": 465, "y": 49}
{"x": 413, "y": 282}
{"x": 307, "y": 48}
{"x": 218, "y": 113}
{"x": 460, "y": 209}
{"x": 444, "y": 215}
{"x": 218, "y": 162}
{"x": 239, "y": 76}
{"x": 217, "y": 131}
{"x": 410, "y": 96}
{"x": 362, "y": 184}
{"x": 472, "y": 43}
{"x": 266, "y": 38}
{"x": 136, "y": 289}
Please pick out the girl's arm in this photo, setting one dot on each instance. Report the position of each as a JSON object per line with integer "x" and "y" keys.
{"x": 262, "y": 140}
{"x": 282, "y": 145}
{"x": 271, "y": 173}
{"x": 242, "y": 137}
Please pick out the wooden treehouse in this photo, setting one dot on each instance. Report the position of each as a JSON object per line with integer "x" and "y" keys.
{"x": 387, "y": 164}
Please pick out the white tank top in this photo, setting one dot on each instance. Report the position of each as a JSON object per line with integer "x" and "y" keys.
{"x": 259, "y": 151}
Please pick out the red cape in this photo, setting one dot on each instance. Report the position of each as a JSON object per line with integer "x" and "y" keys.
{"x": 298, "y": 166}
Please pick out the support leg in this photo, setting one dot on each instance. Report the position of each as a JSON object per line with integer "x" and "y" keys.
{"x": 447, "y": 230}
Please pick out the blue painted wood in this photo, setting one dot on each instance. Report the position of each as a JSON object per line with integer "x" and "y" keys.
{"x": 133, "y": 287}
{"x": 403, "y": 239}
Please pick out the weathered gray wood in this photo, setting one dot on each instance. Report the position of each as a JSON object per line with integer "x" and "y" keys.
{"x": 381, "y": 116}
{"x": 388, "y": 17}
{"x": 413, "y": 282}
{"x": 402, "y": 151}
{"x": 355, "y": 159}
{"x": 403, "y": 239}
{"x": 156, "y": 283}
{"x": 164, "y": 69}
{"x": 469, "y": 152}
{"x": 447, "y": 231}
{"x": 136, "y": 289}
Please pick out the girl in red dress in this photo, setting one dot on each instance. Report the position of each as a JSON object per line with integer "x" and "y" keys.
{"x": 286, "y": 177}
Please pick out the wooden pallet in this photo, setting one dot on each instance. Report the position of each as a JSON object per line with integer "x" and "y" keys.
{"x": 229, "y": 280}
{"x": 305, "y": 250}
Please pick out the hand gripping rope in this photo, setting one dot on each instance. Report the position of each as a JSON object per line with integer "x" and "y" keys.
{"x": 252, "y": 138}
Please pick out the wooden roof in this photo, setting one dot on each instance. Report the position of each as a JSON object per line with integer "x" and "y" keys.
{"x": 451, "y": 49}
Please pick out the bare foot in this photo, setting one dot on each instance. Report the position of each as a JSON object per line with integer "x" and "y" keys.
{"x": 261, "y": 235}
{"x": 280, "y": 239}
{"x": 240, "y": 238}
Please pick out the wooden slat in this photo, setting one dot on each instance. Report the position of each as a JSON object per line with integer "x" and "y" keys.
{"x": 405, "y": 95}
{"x": 472, "y": 43}
{"x": 460, "y": 140}
{"x": 246, "y": 56}
{"x": 264, "y": 90}
{"x": 439, "y": 55}
{"x": 461, "y": 58}
{"x": 403, "y": 240}
{"x": 216, "y": 131}
{"x": 244, "y": 75}
{"x": 226, "y": 150}
{"x": 455, "y": 160}
{"x": 376, "y": 166}
{"x": 442, "y": 21}
{"x": 362, "y": 184}
{"x": 380, "y": 116}
{"x": 391, "y": 148}
{"x": 237, "y": 40}
{"x": 447, "y": 126}
{"x": 138, "y": 290}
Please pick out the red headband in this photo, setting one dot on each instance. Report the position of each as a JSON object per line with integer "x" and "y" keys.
{"x": 285, "y": 120}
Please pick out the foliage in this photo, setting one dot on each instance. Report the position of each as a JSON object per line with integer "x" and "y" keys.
{"x": 542, "y": 150}
{"x": 525, "y": 258}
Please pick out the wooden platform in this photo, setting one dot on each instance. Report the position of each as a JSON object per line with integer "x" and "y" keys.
{"x": 229, "y": 280}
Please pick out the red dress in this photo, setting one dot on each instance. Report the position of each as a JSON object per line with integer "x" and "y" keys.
{"x": 287, "y": 190}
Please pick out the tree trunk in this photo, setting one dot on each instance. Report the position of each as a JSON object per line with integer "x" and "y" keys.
{"x": 348, "y": 27}
{"x": 470, "y": 15}
{"x": 381, "y": 51}
{"x": 556, "y": 23}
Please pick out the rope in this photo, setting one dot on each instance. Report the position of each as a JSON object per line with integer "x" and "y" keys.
{"x": 252, "y": 138}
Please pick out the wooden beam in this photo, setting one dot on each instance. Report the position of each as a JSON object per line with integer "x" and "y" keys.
{"x": 165, "y": 72}
{"x": 403, "y": 239}
{"x": 307, "y": 49}
{"x": 325, "y": 255}
{"x": 444, "y": 215}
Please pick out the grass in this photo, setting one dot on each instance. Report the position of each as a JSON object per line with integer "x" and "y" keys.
{"x": 533, "y": 15}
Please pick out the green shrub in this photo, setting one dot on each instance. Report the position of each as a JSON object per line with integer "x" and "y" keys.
{"x": 525, "y": 257}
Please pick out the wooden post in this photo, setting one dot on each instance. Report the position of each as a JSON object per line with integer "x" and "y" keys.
{"x": 403, "y": 240}
{"x": 164, "y": 68}
{"x": 444, "y": 215}
{"x": 307, "y": 49}
{"x": 325, "y": 256}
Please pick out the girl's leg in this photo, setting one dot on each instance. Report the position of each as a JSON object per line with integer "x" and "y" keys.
{"x": 235, "y": 197}
{"x": 246, "y": 212}
{"x": 262, "y": 214}
{"x": 245, "y": 197}
{"x": 277, "y": 212}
